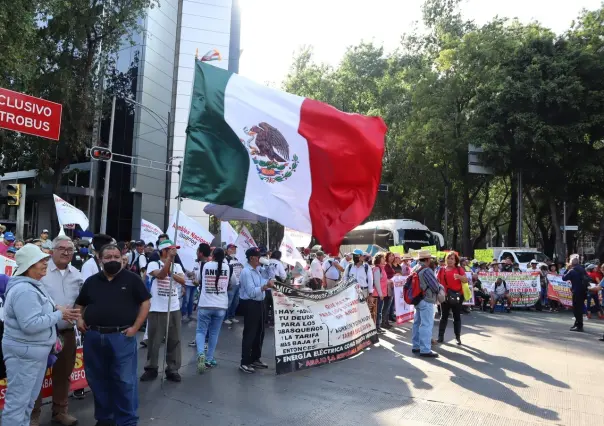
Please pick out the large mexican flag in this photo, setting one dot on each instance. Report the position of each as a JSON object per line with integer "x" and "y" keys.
{"x": 300, "y": 162}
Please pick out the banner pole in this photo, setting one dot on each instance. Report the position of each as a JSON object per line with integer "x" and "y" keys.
{"x": 178, "y": 201}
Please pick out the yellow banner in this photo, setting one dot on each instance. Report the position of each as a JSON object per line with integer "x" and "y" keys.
{"x": 431, "y": 249}
{"x": 484, "y": 255}
{"x": 397, "y": 249}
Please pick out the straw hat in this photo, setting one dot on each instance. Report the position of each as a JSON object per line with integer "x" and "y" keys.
{"x": 28, "y": 255}
{"x": 407, "y": 256}
{"x": 423, "y": 254}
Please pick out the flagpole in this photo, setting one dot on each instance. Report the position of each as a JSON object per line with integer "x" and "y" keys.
{"x": 267, "y": 244}
{"x": 178, "y": 201}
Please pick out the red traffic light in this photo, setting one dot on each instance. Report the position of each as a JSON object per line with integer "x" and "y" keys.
{"x": 100, "y": 153}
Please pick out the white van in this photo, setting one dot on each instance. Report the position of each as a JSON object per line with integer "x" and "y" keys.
{"x": 521, "y": 255}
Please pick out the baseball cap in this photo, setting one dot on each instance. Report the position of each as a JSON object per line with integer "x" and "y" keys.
{"x": 252, "y": 251}
{"x": 534, "y": 262}
{"x": 9, "y": 236}
{"x": 140, "y": 243}
{"x": 45, "y": 231}
{"x": 167, "y": 244}
{"x": 231, "y": 246}
{"x": 12, "y": 249}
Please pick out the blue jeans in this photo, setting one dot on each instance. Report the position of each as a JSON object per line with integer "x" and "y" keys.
{"x": 233, "y": 302}
{"x": 110, "y": 362}
{"x": 187, "y": 301}
{"x": 209, "y": 321}
{"x": 422, "y": 327}
{"x": 543, "y": 296}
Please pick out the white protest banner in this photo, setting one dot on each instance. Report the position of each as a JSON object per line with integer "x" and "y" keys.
{"x": 289, "y": 252}
{"x": 7, "y": 266}
{"x": 404, "y": 313}
{"x": 190, "y": 234}
{"x": 149, "y": 232}
{"x": 227, "y": 233}
{"x": 524, "y": 287}
{"x": 299, "y": 239}
{"x": 313, "y": 328}
{"x": 472, "y": 301}
{"x": 68, "y": 214}
{"x": 560, "y": 290}
{"x": 244, "y": 241}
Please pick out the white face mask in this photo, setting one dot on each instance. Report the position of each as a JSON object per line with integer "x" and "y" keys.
{"x": 264, "y": 261}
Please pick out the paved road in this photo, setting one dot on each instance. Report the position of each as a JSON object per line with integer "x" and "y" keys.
{"x": 523, "y": 368}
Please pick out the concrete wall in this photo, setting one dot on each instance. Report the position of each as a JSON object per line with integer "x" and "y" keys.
{"x": 154, "y": 91}
{"x": 203, "y": 26}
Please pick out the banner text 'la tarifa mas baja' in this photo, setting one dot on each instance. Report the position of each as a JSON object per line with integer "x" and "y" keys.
{"x": 320, "y": 327}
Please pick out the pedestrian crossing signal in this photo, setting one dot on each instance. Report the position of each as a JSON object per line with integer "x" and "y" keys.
{"x": 14, "y": 194}
{"x": 100, "y": 153}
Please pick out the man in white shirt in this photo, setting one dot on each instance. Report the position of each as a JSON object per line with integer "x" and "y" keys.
{"x": 332, "y": 270}
{"x": 164, "y": 303}
{"x": 362, "y": 272}
{"x": 316, "y": 271}
{"x": 91, "y": 266}
{"x": 236, "y": 268}
{"x": 346, "y": 261}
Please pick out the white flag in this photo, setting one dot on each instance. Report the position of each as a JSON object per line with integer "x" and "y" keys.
{"x": 299, "y": 239}
{"x": 289, "y": 252}
{"x": 190, "y": 234}
{"x": 68, "y": 214}
{"x": 227, "y": 233}
{"x": 149, "y": 232}
{"x": 244, "y": 241}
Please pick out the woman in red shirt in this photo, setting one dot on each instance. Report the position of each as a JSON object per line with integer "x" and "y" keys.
{"x": 451, "y": 277}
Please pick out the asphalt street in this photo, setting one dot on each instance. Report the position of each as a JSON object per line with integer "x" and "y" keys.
{"x": 523, "y": 368}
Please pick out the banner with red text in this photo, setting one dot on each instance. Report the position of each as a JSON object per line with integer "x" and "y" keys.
{"x": 150, "y": 232}
{"x": 524, "y": 287}
{"x": 559, "y": 290}
{"x": 313, "y": 328}
{"x": 78, "y": 376}
{"x": 404, "y": 313}
{"x": 190, "y": 235}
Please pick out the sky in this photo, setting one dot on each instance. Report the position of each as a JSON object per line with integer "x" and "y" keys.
{"x": 273, "y": 30}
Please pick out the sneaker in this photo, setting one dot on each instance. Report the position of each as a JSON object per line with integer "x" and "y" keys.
{"x": 415, "y": 351}
{"x": 430, "y": 354}
{"x": 380, "y": 331}
{"x": 201, "y": 364}
{"x": 173, "y": 376}
{"x": 193, "y": 343}
{"x": 211, "y": 364}
{"x": 248, "y": 369}
{"x": 228, "y": 322}
{"x": 235, "y": 320}
{"x": 149, "y": 375}
{"x": 64, "y": 419}
{"x": 79, "y": 394}
{"x": 440, "y": 340}
{"x": 143, "y": 343}
{"x": 458, "y": 339}
{"x": 259, "y": 364}
{"x": 492, "y": 310}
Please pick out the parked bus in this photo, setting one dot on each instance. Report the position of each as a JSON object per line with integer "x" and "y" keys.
{"x": 408, "y": 233}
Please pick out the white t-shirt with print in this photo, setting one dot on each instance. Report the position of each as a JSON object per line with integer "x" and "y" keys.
{"x": 316, "y": 269}
{"x": 160, "y": 288}
{"x": 211, "y": 293}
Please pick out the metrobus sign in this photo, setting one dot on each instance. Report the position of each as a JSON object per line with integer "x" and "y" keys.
{"x": 27, "y": 114}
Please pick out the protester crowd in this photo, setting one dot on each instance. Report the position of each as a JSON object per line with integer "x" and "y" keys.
{"x": 111, "y": 290}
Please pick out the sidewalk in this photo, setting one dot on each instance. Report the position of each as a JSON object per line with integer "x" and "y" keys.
{"x": 523, "y": 368}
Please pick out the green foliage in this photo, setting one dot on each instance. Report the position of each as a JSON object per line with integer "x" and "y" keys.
{"x": 532, "y": 99}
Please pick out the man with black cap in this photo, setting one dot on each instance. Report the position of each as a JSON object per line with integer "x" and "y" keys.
{"x": 92, "y": 265}
{"x": 137, "y": 260}
{"x": 251, "y": 294}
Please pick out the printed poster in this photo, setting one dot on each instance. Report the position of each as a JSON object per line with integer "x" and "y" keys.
{"x": 524, "y": 287}
{"x": 484, "y": 255}
{"x": 298, "y": 238}
{"x": 472, "y": 301}
{"x": 404, "y": 313}
{"x": 313, "y": 328}
{"x": 68, "y": 214}
{"x": 149, "y": 232}
{"x": 190, "y": 235}
{"x": 560, "y": 290}
{"x": 78, "y": 375}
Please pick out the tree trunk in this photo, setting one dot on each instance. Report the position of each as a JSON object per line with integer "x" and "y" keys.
{"x": 559, "y": 251}
{"x": 512, "y": 227}
{"x": 454, "y": 245}
{"x": 466, "y": 244}
{"x": 600, "y": 242}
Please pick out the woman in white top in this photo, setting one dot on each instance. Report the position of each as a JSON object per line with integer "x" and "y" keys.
{"x": 216, "y": 278}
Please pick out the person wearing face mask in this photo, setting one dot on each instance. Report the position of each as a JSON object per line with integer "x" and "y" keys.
{"x": 114, "y": 305}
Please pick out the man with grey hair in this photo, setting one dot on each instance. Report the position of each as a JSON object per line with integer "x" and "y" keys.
{"x": 63, "y": 283}
{"x": 577, "y": 276}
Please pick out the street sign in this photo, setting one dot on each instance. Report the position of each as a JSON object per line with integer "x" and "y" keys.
{"x": 27, "y": 114}
{"x": 570, "y": 228}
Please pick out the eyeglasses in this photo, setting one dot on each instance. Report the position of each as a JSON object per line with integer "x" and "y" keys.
{"x": 65, "y": 250}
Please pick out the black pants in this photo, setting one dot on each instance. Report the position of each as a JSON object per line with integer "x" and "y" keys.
{"x": 268, "y": 306}
{"x": 444, "y": 319}
{"x": 578, "y": 300}
{"x": 253, "y": 330}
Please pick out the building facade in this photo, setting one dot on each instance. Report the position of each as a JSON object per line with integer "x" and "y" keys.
{"x": 154, "y": 70}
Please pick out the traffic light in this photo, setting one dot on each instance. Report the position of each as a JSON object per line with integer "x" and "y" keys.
{"x": 100, "y": 153}
{"x": 14, "y": 194}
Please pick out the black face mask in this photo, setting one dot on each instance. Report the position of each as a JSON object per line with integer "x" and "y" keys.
{"x": 112, "y": 267}
{"x": 356, "y": 258}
